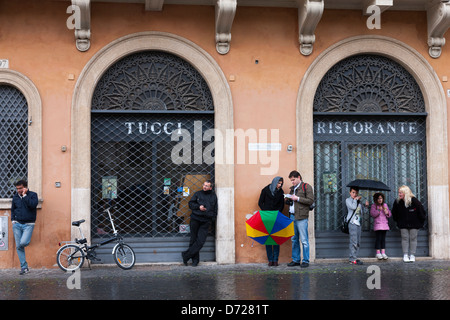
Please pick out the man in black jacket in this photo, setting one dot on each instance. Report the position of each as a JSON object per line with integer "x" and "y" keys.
{"x": 23, "y": 217}
{"x": 204, "y": 209}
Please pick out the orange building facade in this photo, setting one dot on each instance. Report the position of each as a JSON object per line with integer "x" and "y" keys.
{"x": 262, "y": 65}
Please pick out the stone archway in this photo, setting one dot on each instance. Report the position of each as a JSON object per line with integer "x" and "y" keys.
{"x": 436, "y": 107}
{"x": 81, "y": 108}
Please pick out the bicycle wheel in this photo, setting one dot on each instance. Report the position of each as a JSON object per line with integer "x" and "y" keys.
{"x": 124, "y": 256}
{"x": 70, "y": 257}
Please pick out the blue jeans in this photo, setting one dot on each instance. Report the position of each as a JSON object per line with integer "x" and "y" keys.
{"x": 273, "y": 251}
{"x": 22, "y": 236}
{"x": 300, "y": 233}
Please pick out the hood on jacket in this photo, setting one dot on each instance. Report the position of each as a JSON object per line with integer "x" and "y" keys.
{"x": 273, "y": 185}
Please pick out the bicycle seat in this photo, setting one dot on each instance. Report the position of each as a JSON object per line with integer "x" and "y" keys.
{"x": 77, "y": 223}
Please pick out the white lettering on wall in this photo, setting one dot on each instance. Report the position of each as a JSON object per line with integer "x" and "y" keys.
{"x": 142, "y": 127}
{"x": 366, "y": 128}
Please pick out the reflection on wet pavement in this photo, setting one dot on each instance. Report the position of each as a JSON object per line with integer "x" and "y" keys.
{"x": 395, "y": 280}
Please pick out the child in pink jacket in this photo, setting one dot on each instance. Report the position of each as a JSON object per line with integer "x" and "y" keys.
{"x": 380, "y": 213}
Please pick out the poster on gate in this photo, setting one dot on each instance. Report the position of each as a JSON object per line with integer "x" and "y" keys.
{"x": 109, "y": 187}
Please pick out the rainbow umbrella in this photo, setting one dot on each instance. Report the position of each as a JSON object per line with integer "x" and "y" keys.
{"x": 269, "y": 227}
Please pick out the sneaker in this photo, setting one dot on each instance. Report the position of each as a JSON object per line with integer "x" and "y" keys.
{"x": 385, "y": 257}
{"x": 405, "y": 258}
{"x": 379, "y": 256}
{"x": 293, "y": 264}
{"x": 356, "y": 262}
{"x": 24, "y": 271}
{"x": 412, "y": 258}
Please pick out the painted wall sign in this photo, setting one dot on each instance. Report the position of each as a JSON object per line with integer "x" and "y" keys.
{"x": 264, "y": 146}
{"x": 144, "y": 127}
{"x": 378, "y": 128}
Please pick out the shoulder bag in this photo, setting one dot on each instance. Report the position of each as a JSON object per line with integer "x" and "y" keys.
{"x": 345, "y": 222}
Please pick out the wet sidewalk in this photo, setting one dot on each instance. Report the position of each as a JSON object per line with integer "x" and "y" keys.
{"x": 375, "y": 280}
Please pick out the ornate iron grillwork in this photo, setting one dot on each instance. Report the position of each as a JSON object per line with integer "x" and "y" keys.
{"x": 13, "y": 139}
{"x": 152, "y": 81}
{"x": 136, "y": 106}
{"x": 368, "y": 83}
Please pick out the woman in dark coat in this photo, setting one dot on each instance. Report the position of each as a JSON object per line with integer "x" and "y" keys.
{"x": 272, "y": 199}
{"x": 410, "y": 216}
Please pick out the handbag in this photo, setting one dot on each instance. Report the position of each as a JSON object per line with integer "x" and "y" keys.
{"x": 344, "y": 226}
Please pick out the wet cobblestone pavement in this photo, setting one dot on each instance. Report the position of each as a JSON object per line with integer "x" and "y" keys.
{"x": 390, "y": 280}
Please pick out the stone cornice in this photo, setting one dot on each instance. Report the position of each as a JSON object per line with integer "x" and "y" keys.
{"x": 309, "y": 14}
{"x": 382, "y": 4}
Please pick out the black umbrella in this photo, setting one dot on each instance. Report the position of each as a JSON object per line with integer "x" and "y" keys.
{"x": 368, "y": 184}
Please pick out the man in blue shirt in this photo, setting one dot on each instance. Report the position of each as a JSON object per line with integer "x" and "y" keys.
{"x": 23, "y": 217}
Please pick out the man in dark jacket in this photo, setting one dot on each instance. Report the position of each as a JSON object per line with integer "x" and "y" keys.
{"x": 204, "y": 209}
{"x": 23, "y": 217}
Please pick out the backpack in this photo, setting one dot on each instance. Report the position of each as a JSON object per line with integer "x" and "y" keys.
{"x": 313, "y": 205}
{"x": 344, "y": 225}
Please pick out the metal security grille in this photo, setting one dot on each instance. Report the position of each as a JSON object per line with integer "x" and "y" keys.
{"x": 13, "y": 139}
{"x": 369, "y": 123}
{"x": 147, "y": 177}
{"x": 355, "y": 147}
{"x": 150, "y": 112}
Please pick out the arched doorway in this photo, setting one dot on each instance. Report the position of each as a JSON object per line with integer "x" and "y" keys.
{"x": 99, "y": 64}
{"x": 369, "y": 123}
{"x": 436, "y": 125}
{"x": 142, "y": 163}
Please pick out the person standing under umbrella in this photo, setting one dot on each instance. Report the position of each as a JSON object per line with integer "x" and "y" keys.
{"x": 354, "y": 212}
{"x": 410, "y": 216}
{"x": 272, "y": 199}
{"x": 380, "y": 213}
